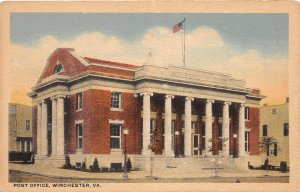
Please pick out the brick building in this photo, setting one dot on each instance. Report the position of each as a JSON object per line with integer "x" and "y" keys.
{"x": 81, "y": 106}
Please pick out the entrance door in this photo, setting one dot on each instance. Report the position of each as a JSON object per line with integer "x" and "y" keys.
{"x": 196, "y": 145}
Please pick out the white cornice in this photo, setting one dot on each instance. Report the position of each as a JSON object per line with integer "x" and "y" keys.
{"x": 194, "y": 84}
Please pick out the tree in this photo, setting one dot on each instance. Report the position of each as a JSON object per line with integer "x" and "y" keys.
{"x": 154, "y": 141}
{"x": 265, "y": 143}
{"x": 264, "y": 146}
{"x": 217, "y": 144}
{"x": 95, "y": 166}
{"x": 129, "y": 165}
{"x": 67, "y": 164}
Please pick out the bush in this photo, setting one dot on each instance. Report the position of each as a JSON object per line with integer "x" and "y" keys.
{"x": 104, "y": 169}
{"x": 95, "y": 166}
{"x": 283, "y": 166}
{"x": 83, "y": 166}
{"x": 67, "y": 164}
{"x": 129, "y": 165}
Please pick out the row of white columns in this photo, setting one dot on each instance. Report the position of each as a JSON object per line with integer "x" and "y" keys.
{"x": 188, "y": 128}
{"x": 57, "y": 123}
{"x": 25, "y": 145}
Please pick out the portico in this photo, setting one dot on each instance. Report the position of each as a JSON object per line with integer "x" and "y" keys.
{"x": 51, "y": 128}
{"x": 188, "y": 127}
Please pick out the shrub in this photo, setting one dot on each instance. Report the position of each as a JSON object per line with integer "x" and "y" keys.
{"x": 33, "y": 159}
{"x": 129, "y": 165}
{"x": 67, "y": 164}
{"x": 83, "y": 166}
{"x": 95, "y": 166}
{"x": 283, "y": 166}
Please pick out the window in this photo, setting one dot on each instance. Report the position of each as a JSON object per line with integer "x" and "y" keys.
{"x": 182, "y": 124}
{"x": 115, "y": 100}
{"x": 116, "y": 166}
{"x": 79, "y": 100}
{"x": 28, "y": 146}
{"x": 220, "y": 133}
{"x": 163, "y": 136}
{"x": 152, "y": 125}
{"x": 285, "y": 129}
{"x": 203, "y": 136}
{"x": 22, "y": 146}
{"x": 79, "y": 133}
{"x": 172, "y": 133}
{"x": 247, "y": 141}
{"x": 247, "y": 113}
{"x": 274, "y": 111}
{"x": 115, "y": 136}
{"x": 275, "y": 150}
{"x": 27, "y": 125}
{"x": 193, "y": 125}
{"x": 58, "y": 68}
{"x": 265, "y": 130}
{"x": 12, "y": 110}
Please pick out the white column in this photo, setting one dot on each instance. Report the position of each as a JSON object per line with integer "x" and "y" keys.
{"x": 44, "y": 139}
{"x": 60, "y": 132}
{"x": 242, "y": 130}
{"x": 225, "y": 127}
{"x": 54, "y": 115}
{"x": 146, "y": 123}
{"x": 188, "y": 126}
{"x": 208, "y": 125}
{"x": 39, "y": 129}
{"x": 169, "y": 152}
{"x": 25, "y": 145}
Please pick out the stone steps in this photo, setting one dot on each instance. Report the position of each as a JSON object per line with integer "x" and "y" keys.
{"x": 192, "y": 166}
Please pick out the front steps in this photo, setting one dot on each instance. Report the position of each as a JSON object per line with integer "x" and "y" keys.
{"x": 192, "y": 166}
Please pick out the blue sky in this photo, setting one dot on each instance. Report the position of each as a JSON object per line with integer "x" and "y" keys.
{"x": 252, "y": 46}
{"x": 267, "y": 33}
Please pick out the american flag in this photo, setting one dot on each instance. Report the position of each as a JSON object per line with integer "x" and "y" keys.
{"x": 178, "y": 27}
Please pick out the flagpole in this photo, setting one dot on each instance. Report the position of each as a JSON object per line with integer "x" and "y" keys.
{"x": 184, "y": 42}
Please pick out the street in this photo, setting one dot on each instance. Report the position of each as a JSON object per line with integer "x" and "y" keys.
{"x": 19, "y": 177}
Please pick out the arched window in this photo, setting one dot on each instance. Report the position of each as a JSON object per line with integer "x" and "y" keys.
{"x": 58, "y": 68}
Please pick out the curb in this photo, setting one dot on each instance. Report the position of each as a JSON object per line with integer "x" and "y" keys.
{"x": 130, "y": 179}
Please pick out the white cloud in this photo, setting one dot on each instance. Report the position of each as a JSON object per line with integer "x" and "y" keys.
{"x": 205, "y": 49}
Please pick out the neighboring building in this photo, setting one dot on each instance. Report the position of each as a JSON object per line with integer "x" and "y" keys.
{"x": 82, "y": 105}
{"x": 20, "y": 128}
{"x": 274, "y": 122}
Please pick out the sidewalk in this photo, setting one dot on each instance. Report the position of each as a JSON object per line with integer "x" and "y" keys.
{"x": 65, "y": 173}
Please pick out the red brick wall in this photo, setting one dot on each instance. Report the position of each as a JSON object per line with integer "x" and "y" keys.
{"x": 96, "y": 114}
{"x": 253, "y": 124}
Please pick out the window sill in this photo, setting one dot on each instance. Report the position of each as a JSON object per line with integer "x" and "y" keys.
{"x": 116, "y": 150}
{"x": 77, "y": 110}
{"x": 116, "y": 109}
{"x": 78, "y": 151}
